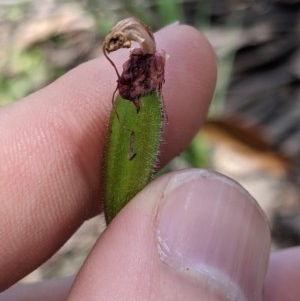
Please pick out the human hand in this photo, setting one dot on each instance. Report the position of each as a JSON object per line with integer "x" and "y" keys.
{"x": 183, "y": 229}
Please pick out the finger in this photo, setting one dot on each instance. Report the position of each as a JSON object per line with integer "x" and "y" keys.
{"x": 189, "y": 235}
{"x": 52, "y": 146}
{"x": 282, "y": 281}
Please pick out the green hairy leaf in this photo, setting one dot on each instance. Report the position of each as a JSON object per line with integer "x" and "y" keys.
{"x": 136, "y": 119}
{"x": 125, "y": 177}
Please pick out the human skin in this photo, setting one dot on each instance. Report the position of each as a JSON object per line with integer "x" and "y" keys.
{"x": 51, "y": 156}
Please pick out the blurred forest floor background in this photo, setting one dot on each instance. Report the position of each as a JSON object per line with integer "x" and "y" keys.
{"x": 253, "y": 130}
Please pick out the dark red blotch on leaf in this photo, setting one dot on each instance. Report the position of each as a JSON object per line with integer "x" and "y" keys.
{"x": 142, "y": 74}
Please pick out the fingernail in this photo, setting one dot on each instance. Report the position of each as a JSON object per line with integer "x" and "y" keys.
{"x": 209, "y": 228}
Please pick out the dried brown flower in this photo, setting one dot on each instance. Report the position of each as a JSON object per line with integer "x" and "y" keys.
{"x": 143, "y": 73}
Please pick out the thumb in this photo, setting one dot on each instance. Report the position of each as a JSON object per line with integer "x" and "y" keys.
{"x": 189, "y": 235}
